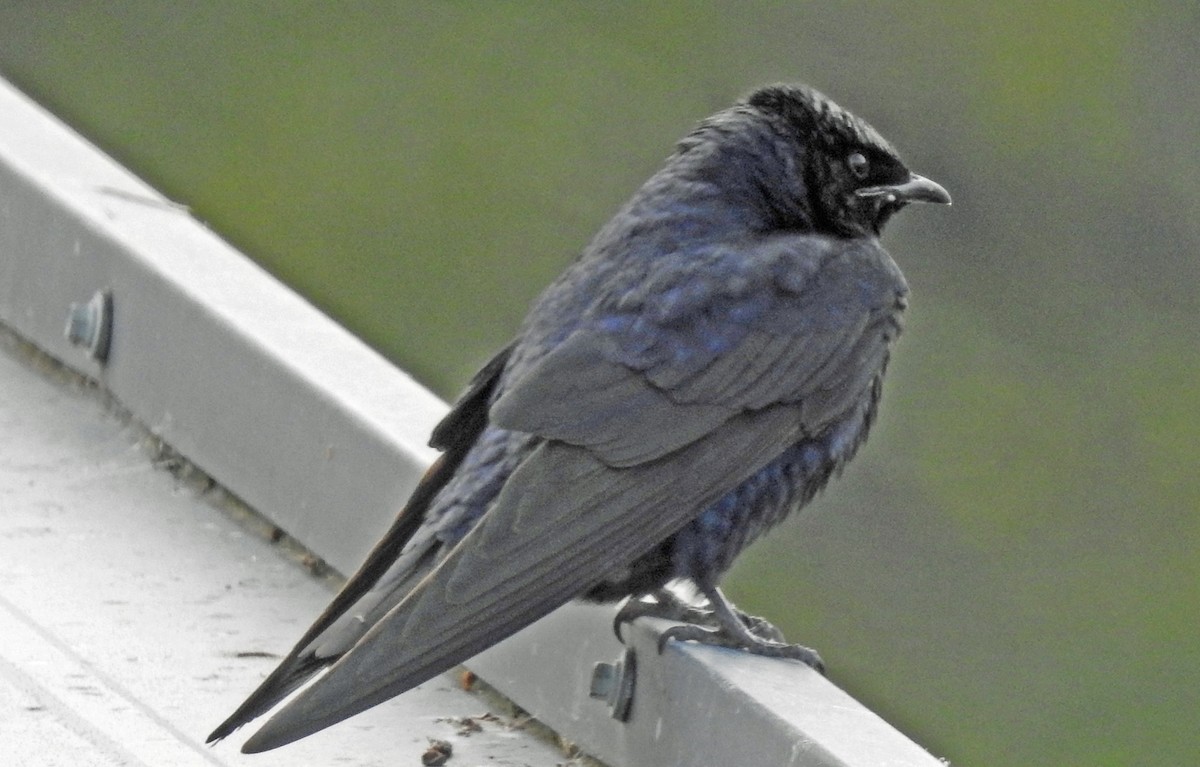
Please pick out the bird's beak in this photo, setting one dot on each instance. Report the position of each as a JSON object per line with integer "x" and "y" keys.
{"x": 916, "y": 189}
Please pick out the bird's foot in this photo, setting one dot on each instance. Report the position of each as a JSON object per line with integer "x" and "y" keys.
{"x": 670, "y": 606}
{"x": 721, "y": 624}
{"x": 749, "y": 642}
{"x": 761, "y": 627}
{"x": 664, "y": 604}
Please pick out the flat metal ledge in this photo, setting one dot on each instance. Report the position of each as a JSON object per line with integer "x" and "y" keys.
{"x": 137, "y": 608}
{"x": 319, "y": 434}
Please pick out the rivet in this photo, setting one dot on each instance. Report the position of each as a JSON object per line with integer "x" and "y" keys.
{"x": 90, "y": 325}
{"x": 613, "y": 683}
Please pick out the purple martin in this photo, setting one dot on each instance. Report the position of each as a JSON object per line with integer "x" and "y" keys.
{"x": 703, "y": 367}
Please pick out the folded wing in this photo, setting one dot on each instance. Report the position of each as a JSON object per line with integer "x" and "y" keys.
{"x": 638, "y": 438}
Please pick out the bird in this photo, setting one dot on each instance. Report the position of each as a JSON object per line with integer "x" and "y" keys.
{"x": 700, "y": 370}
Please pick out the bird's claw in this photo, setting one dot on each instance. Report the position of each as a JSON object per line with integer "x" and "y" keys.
{"x": 693, "y": 633}
{"x": 670, "y": 607}
{"x": 665, "y": 605}
{"x": 761, "y": 627}
{"x": 727, "y": 627}
{"x": 763, "y": 647}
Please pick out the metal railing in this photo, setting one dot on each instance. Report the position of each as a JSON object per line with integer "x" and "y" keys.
{"x": 322, "y": 436}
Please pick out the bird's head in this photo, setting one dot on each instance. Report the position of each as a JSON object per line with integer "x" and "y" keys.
{"x": 853, "y": 180}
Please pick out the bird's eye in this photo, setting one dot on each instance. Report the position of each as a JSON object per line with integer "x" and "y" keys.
{"x": 858, "y": 165}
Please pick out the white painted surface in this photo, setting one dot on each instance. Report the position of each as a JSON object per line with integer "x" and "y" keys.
{"x": 126, "y": 597}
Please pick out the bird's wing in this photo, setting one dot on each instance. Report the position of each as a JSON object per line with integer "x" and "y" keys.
{"x": 602, "y": 490}
{"x": 522, "y": 561}
{"x": 807, "y": 321}
{"x": 454, "y": 435}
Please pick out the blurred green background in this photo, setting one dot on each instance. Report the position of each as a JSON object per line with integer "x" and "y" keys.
{"x": 1010, "y": 570}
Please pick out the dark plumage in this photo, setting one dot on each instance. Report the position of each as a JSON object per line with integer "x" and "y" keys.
{"x": 709, "y": 361}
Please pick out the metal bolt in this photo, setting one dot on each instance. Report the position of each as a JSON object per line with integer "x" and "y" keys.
{"x": 613, "y": 683}
{"x": 90, "y": 325}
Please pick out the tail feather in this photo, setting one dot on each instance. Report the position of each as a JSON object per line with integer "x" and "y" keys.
{"x": 281, "y": 682}
{"x": 330, "y": 635}
{"x": 305, "y": 660}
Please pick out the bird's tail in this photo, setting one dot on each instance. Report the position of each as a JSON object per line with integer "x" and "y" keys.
{"x": 337, "y": 629}
{"x": 319, "y": 649}
{"x": 281, "y": 682}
